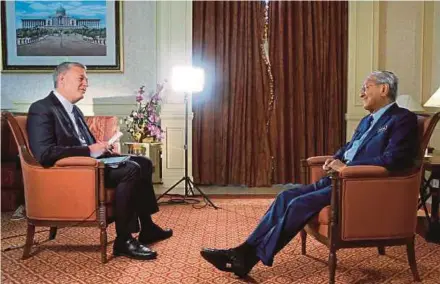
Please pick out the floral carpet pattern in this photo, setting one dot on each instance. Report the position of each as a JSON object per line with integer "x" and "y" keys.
{"x": 73, "y": 257}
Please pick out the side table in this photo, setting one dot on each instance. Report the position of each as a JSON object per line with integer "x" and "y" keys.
{"x": 153, "y": 151}
{"x": 431, "y": 188}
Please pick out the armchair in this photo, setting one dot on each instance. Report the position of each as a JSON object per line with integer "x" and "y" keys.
{"x": 370, "y": 207}
{"x": 70, "y": 193}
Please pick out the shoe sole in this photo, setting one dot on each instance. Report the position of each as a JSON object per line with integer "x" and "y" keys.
{"x": 116, "y": 254}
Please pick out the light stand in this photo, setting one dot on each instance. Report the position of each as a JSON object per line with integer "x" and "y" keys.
{"x": 189, "y": 184}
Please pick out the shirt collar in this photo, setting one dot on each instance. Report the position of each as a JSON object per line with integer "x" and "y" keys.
{"x": 381, "y": 111}
{"x": 68, "y": 106}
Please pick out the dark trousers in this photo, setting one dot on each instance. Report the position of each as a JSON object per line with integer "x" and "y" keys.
{"x": 287, "y": 215}
{"x": 134, "y": 193}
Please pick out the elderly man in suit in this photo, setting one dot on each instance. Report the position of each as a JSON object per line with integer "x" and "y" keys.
{"x": 57, "y": 129}
{"x": 386, "y": 137}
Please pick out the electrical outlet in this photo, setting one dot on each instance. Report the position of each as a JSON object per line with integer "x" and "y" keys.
{"x": 435, "y": 183}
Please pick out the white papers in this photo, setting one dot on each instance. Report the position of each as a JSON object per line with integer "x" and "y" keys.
{"x": 115, "y": 137}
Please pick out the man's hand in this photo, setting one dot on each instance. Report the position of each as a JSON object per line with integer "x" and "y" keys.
{"x": 112, "y": 152}
{"x": 337, "y": 165}
{"x": 325, "y": 167}
{"x": 98, "y": 149}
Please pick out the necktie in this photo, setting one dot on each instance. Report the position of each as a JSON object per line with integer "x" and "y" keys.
{"x": 367, "y": 125}
{"x": 82, "y": 128}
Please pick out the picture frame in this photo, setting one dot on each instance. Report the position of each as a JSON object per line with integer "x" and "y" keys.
{"x": 39, "y": 35}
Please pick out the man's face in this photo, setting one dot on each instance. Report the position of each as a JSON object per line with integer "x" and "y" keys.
{"x": 73, "y": 84}
{"x": 373, "y": 95}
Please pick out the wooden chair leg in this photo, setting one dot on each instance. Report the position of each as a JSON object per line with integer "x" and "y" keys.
{"x": 332, "y": 266}
{"x": 103, "y": 239}
{"x": 29, "y": 241}
{"x": 52, "y": 233}
{"x": 412, "y": 260}
{"x": 381, "y": 250}
{"x": 303, "y": 235}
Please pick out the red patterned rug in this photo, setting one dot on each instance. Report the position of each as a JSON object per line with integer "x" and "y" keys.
{"x": 73, "y": 257}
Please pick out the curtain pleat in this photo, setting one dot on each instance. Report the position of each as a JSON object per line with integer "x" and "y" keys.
{"x": 308, "y": 53}
{"x": 229, "y": 138}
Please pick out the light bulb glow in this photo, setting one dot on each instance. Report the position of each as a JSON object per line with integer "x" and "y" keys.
{"x": 187, "y": 79}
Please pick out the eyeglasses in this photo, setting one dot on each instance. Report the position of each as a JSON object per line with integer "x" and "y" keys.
{"x": 365, "y": 87}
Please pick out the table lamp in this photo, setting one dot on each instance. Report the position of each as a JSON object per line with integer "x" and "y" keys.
{"x": 434, "y": 100}
{"x": 408, "y": 102}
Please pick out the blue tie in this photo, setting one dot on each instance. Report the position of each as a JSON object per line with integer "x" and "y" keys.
{"x": 367, "y": 125}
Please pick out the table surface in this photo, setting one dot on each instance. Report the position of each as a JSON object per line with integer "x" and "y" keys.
{"x": 433, "y": 160}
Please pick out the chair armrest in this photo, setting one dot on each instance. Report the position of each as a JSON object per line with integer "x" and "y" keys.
{"x": 317, "y": 160}
{"x": 77, "y": 161}
{"x": 363, "y": 172}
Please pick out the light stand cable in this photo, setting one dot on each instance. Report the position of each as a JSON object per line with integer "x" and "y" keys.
{"x": 189, "y": 184}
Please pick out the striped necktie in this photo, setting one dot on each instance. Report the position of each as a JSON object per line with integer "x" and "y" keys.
{"x": 82, "y": 128}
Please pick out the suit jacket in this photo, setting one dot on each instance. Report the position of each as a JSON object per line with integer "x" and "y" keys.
{"x": 52, "y": 135}
{"x": 392, "y": 143}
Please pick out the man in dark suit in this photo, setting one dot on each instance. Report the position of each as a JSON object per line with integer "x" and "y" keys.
{"x": 387, "y": 137}
{"x": 57, "y": 129}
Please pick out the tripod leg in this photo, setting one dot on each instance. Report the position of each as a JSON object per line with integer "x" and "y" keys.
{"x": 171, "y": 188}
{"x": 190, "y": 188}
{"x": 203, "y": 194}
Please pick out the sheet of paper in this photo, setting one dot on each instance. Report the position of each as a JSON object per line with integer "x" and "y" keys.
{"x": 115, "y": 137}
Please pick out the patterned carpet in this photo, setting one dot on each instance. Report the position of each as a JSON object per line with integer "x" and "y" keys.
{"x": 73, "y": 256}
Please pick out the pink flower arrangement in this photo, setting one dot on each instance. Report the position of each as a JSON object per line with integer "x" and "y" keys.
{"x": 144, "y": 122}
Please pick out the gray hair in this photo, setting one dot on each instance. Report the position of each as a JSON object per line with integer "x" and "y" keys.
{"x": 63, "y": 68}
{"x": 387, "y": 78}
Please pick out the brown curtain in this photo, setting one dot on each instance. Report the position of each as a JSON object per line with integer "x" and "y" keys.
{"x": 308, "y": 54}
{"x": 229, "y": 137}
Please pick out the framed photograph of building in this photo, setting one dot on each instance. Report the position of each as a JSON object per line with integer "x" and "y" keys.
{"x": 38, "y": 35}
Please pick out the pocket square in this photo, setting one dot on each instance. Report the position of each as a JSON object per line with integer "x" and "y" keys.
{"x": 382, "y": 129}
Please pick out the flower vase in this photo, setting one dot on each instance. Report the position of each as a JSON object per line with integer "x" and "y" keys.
{"x": 148, "y": 139}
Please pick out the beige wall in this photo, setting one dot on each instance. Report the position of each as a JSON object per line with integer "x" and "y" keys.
{"x": 403, "y": 37}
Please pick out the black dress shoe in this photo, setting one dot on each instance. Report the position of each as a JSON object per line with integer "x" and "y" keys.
{"x": 230, "y": 260}
{"x": 154, "y": 235}
{"x": 132, "y": 249}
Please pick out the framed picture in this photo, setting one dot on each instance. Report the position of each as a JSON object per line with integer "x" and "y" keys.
{"x": 39, "y": 35}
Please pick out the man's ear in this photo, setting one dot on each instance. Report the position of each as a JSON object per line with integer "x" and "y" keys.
{"x": 60, "y": 79}
{"x": 384, "y": 89}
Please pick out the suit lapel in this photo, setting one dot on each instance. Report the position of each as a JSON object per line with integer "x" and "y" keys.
{"x": 359, "y": 131}
{"x": 63, "y": 115}
{"x": 383, "y": 120}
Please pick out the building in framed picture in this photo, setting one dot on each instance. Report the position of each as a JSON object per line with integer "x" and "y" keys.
{"x": 40, "y": 34}
{"x": 60, "y": 33}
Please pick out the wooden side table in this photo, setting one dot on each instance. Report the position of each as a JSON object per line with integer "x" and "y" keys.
{"x": 431, "y": 189}
{"x": 153, "y": 151}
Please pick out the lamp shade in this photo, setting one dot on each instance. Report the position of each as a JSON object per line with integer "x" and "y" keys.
{"x": 434, "y": 100}
{"x": 407, "y": 101}
{"x": 187, "y": 79}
